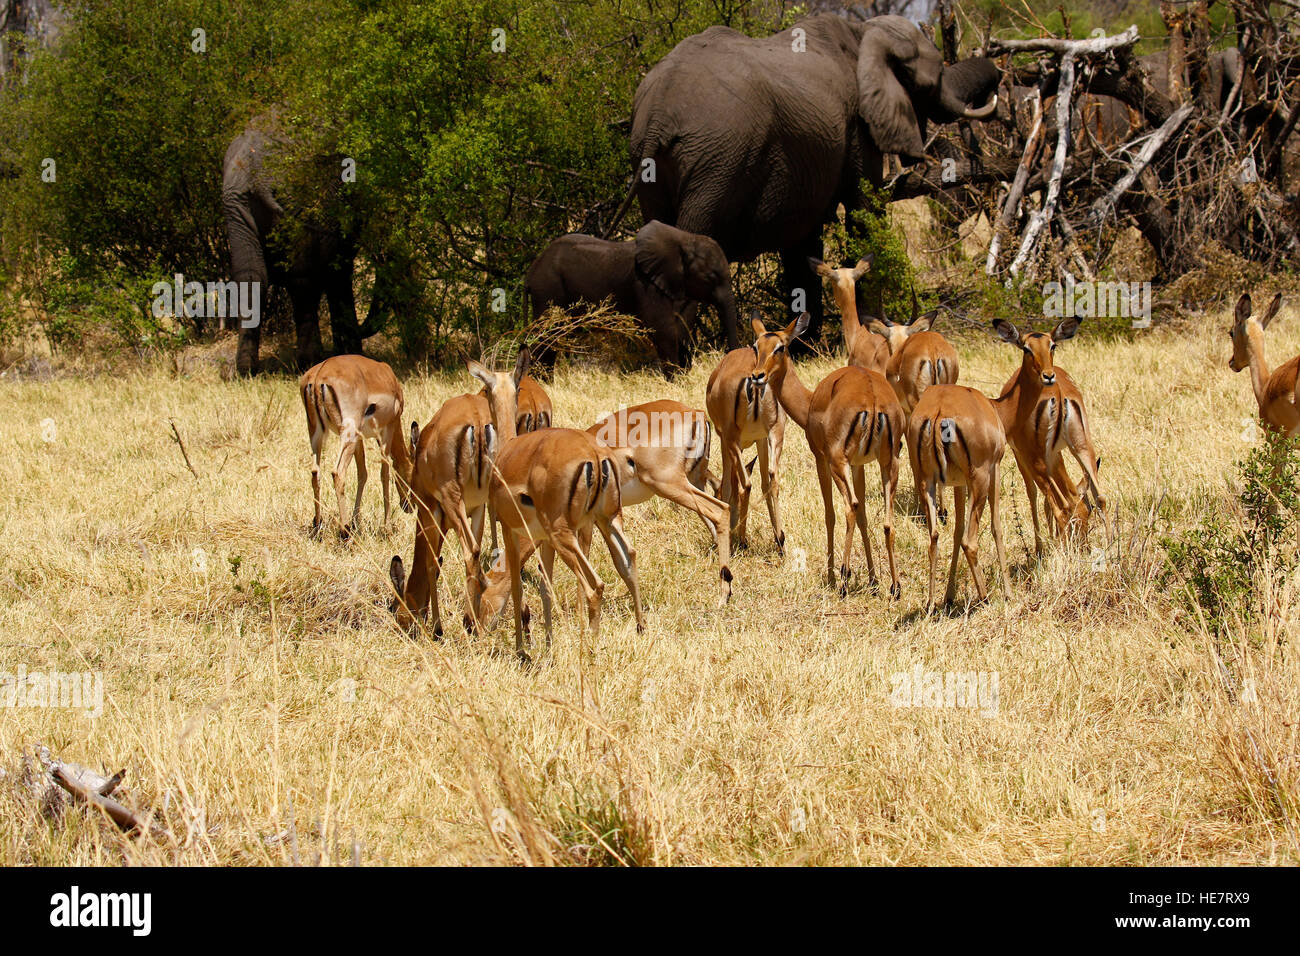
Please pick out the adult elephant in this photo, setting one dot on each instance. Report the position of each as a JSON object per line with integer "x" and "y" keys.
{"x": 755, "y": 141}
{"x": 309, "y": 254}
{"x": 660, "y": 277}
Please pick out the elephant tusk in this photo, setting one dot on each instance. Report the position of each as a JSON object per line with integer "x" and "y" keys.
{"x": 983, "y": 112}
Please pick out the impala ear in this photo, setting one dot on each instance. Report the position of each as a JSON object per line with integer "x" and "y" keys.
{"x": 1006, "y": 331}
{"x": 521, "y": 365}
{"x": 1065, "y": 329}
{"x": 756, "y": 323}
{"x": 1271, "y": 310}
{"x": 480, "y": 372}
{"x": 415, "y": 438}
{"x": 798, "y": 326}
{"x": 1244, "y": 308}
{"x": 875, "y": 325}
{"x": 923, "y": 324}
{"x": 397, "y": 574}
{"x": 863, "y": 266}
{"x": 821, "y": 268}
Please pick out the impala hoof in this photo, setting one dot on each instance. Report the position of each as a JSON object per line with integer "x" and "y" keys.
{"x": 525, "y": 661}
{"x": 437, "y": 632}
{"x": 467, "y": 622}
{"x": 896, "y": 591}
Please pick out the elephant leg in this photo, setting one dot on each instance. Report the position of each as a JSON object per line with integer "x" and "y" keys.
{"x": 306, "y": 319}
{"x": 798, "y": 275}
{"x": 250, "y": 342}
{"x": 343, "y": 312}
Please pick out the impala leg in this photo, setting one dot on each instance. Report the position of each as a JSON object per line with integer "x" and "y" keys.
{"x": 930, "y": 501}
{"x": 567, "y": 546}
{"x": 1087, "y": 458}
{"x": 422, "y": 584}
{"x": 547, "y": 557}
{"x": 317, "y": 442}
{"x": 841, "y": 478}
{"x": 860, "y": 510}
{"x": 828, "y": 504}
{"x": 475, "y": 583}
{"x": 889, "y": 486}
{"x": 347, "y": 450}
{"x": 516, "y": 593}
{"x": 769, "y": 459}
{"x": 740, "y": 516}
{"x": 712, "y": 511}
{"x": 979, "y": 494}
{"x": 362, "y": 474}
{"x": 958, "y": 536}
{"x": 624, "y": 555}
{"x": 995, "y": 519}
{"x": 1031, "y": 492}
{"x": 385, "y": 473}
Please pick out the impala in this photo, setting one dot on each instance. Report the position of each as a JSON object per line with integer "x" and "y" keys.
{"x": 851, "y": 418}
{"x": 955, "y": 438}
{"x": 548, "y": 489}
{"x": 1275, "y": 391}
{"x": 454, "y": 458}
{"x": 533, "y": 406}
{"x": 918, "y": 357}
{"x": 355, "y": 398}
{"x": 864, "y": 348}
{"x": 745, "y": 412}
{"x": 1043, "y": 413}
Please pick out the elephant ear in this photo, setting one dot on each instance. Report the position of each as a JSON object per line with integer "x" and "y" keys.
{"x": 883, "y": 102}
{"x": 659, "y": 260}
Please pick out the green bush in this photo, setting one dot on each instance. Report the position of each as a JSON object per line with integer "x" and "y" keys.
{"x": 1223, "y": 568}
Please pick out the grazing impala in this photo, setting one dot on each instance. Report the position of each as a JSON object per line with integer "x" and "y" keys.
{"x": 549, "y": 488}
{"x": 955, "y": 437}
{"x": 454, "y": 458}
{"x": 745, "y": 412}
{"x": 1043, "y": 413}
{"x": 864, "y": 348}
{"x": 918, "y": 357}
{"x": 1276, "y": 391}
{"x": 534, "y": 406}
{"x": 355, "y": 398}
{"x": 851, "y": 418}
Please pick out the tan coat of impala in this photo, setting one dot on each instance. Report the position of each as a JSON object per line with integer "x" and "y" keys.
{"x": 550, "y": 487}
{"x": 918, "y": 356}
{"x": 1276, "y": 391}
{"x": 355, "y": 398}
{"x": 955, "y": 438}
{"x": 1044, "y": 415}
{"x": 851, "y": 418}
{"x": 865, "y": 349}
{"x": 454, "y": 461}
{"x": 745, "y": 412}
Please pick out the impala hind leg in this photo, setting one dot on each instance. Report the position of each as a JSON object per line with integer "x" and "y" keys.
{"x": 422, "y": 584}
{"x": 513, "y": 568}
{"x": 624, "y": 556}
{"x": 995, "y": 519}
{"x": 570, "y": 550}
{"x": 475, "y": 581}
{"x": 929, "y": 498}
{"x": 889, "y": 486}
{"x": 712, "y": 511}
{"x": 979, "y": 495}
{"x": 958, "y": 536}
{"x": 317, "y": 443}
{"x": 860, "y": 511}
{"x": 828, "y": 504}
{"x": 547, "y": 558}
{"x": 348, "y": 443}
{"x": 362, "y": 474}
{"x": 843, "y": 484}
{"x": 385, "y": 477}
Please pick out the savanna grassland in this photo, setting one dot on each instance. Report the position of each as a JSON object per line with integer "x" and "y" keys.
{"x": 268, "y": 712}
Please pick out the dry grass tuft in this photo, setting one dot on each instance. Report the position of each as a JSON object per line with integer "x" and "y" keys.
{"x": 267, "y": 711}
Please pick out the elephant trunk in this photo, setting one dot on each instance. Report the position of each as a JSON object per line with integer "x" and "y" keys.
{"x": 967, "y": 82}
{"x": 727, "y": 312}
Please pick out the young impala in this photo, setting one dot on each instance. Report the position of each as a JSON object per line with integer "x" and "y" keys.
{"x": 865, "y": 349}
{"x": 454, "y": 458}
{"x": 851, "y": 418}
{"x": 1043, "y": 414}
{"x": 1276, "y": 391}
{"x": 918, "y": 357}
{"x": 745, "y": 412}
{"x": 548, "y": 489}
{"x": 955, "y": 437}
{"x": 355, "y": 398}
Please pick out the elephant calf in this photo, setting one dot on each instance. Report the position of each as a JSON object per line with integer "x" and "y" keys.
{"x": 660, "y": 277}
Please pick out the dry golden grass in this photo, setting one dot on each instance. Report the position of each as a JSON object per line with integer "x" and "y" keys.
{"x": 272, "y": 714}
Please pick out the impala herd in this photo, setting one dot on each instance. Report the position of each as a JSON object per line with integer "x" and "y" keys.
{"x": 494, "y": 454}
